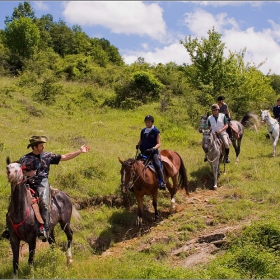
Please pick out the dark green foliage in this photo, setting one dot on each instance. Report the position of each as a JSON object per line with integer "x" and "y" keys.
{"x": 141, "y": 87}
{"x": 21, "y": 38}
{"x": 275, "y": 83}
{"x": 48, "y": 91}
{"x": 23, "y": 10}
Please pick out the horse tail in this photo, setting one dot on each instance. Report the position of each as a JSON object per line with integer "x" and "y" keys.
{"x": 76, "y": 214}
{"x": 183, "y": 179}
{"x": 248, "y": 117}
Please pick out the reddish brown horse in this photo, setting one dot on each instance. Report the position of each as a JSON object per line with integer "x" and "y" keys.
{"x": 137, "y": 175}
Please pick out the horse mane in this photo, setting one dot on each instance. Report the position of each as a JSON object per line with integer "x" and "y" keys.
{"x": 129, "y": 162}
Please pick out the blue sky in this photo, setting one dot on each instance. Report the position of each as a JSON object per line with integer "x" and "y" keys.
{"x": 152, "y": 29}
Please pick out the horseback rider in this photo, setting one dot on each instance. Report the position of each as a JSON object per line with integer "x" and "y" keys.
{"x": 276, "y": 110}
{"x": 276, "y": 114}
{"x": 36, "y": 167}
{"x": 148, "y": 144}
{"x": 225, "y": 110}
{"x": 218, "y": 123}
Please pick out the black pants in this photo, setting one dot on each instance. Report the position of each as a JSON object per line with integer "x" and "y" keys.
{"x": 154, "y": 156}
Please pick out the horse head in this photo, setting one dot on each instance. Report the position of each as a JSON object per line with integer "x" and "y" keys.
{"x": 265, "y": 115}
{"x": 127, "y": 174}
{"x": 203, "y": 122}
{"x": 206, "y": 140}
{"x": 14, "y": 172}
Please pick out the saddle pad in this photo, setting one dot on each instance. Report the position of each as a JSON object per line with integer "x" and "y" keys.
{"x": 168, "y": 166}
{"x": 235, "y": 131}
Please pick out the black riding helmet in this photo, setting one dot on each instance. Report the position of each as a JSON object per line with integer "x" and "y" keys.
{"x": 149, "y": 118}
{"x": 220, "y": 98}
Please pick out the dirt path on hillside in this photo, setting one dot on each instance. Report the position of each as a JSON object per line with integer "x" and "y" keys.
{"x": 203, "y": 245}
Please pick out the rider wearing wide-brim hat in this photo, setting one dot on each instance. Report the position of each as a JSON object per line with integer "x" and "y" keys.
{"x": 36, "y": 168}
{"x": 218, "y": 123}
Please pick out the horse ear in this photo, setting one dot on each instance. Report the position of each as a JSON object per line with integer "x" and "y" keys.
{"x": 120, "y": 160}
{"x": 8, "y": 160}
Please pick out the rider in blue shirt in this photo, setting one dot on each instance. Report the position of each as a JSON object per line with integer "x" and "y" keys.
{"x": 276, "y": 110}
{"x": 149, "y": 143}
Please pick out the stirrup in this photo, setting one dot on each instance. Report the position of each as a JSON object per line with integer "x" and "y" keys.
{"x": 42, "y": 234}
{"x": 162, "y": 186}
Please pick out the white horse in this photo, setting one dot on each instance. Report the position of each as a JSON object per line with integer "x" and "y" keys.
{"x": 273, "y": 128}
{"x": 214, "y": 150}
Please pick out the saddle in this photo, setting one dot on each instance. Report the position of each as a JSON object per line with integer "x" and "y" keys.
{"x": 168, "y": 166}
{"x": 235, "y": 132}
{"x": 35, "y": 204}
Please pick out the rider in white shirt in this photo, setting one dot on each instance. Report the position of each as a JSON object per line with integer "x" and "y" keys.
{"x": 218, "y": 123}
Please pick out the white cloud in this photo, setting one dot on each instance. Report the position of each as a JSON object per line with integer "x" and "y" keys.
{"x": 260, "y": 46}
{"x": 228, "y": 3}
{"x": 199, "y": 28}
{"x": 173, "y": 53}
{"x": 41, "y": 6}
{"x": 120, "y": 17}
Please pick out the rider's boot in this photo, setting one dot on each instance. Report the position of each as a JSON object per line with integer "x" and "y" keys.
{"x": 42, "y": 234}
{"x": 43, "y": 230}
{"x": 205, "y": 158}
{"x": 162, "y": 184}
{"x": 227, "y": 155}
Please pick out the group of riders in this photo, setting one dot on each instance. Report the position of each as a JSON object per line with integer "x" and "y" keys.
{"x": 36, "y": 164}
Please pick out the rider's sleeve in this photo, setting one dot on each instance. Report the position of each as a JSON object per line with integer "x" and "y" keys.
{"x": 225, "y": 120}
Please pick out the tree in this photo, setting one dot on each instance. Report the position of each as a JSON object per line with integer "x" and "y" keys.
{"x": 207, "y": 59}
{"x": 62, "y": 38}
{"x": 23, "y": 10}
{"x": 22, "y": 38}
{"x": 275, "y": 83}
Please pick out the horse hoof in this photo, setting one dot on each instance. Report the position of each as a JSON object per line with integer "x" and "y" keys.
{"x": 69, "y": 262}
{"x": 215, "y": 188}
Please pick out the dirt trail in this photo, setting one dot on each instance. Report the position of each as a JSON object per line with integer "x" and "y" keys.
{"x": 203, "y": 245}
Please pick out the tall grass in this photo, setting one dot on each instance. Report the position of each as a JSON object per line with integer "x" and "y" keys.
{"x": 249, "y": 191}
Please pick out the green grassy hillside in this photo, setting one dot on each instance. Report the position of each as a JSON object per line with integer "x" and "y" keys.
{"x": 249, "y": 191}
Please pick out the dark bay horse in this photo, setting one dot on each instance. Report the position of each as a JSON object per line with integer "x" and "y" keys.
{"x": 237, "y": 129}
{"x": 136, "y": 175}
{"x": 21, "y": 220}
{"x": 215, "y": 153}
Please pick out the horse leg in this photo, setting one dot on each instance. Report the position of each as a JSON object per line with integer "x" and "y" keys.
{"x": 173, "y": 190}
{"x": 155, "y": 206}
{"x": 215, "y": 171}
{"x": 69, "y": 233}
{"x": 139, "y": 219}
{"x": 51, "y": 238}
{"x": 32, "y": 248}
{"x": 274, "y": 146}
{"x": 15, "y": 249}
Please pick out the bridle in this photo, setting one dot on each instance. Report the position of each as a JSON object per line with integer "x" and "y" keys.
{"x": 134, "y": 176}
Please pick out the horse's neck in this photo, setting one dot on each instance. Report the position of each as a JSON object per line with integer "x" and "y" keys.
{"x": 140, "y": 169}
{"x": 270, "y": 120}
{"x": 19, "y": 200}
